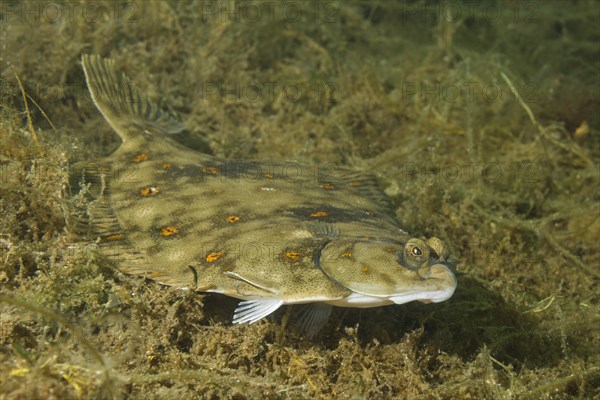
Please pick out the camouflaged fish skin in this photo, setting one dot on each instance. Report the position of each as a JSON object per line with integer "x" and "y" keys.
{"x": 270, "y": 233}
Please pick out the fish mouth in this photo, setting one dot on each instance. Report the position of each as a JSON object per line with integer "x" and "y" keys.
{"x": 441, "y": 284}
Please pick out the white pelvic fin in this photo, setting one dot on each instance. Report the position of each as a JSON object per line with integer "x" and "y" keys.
{"x": 253, "y": 310}
{"x": 313, "y": 317}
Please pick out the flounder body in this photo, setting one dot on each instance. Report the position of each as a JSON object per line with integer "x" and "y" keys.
{"x": 269, "y": 233}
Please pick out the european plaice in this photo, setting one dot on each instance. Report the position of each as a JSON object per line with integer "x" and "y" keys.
{"x": 267, "y": 233}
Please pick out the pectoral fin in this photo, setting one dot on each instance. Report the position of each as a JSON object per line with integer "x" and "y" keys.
{"x": 254, "y": 310}
{"x": 234, "y": 275}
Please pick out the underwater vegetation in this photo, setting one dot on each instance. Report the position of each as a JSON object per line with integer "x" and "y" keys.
{"x": 479, "y": 121}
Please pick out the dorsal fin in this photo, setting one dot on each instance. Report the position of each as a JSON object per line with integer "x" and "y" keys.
{"x": 323, "y": 230}
{"x": 363, "y": 183}
{"x": 124, "y": 107}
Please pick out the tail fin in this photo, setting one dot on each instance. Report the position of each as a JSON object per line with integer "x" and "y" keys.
{"x": 124, "y": 107}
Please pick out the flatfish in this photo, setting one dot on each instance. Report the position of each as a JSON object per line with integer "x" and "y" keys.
{"x": 268, "y": 233}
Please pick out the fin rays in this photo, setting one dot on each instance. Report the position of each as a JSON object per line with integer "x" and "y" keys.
{"x": 312, "y": 317}
{"x": 254, "y": 310}
{"x": 121, "y": 102}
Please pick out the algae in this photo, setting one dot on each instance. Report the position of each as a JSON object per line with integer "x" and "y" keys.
{"x": 479, "y": 119}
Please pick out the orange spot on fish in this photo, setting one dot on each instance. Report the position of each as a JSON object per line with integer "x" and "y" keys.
{"x": 365, "y": 269}
{"x": 113, "y": 237}
{"x": 292, "y": 255}
{"x": 167, "y": 165}
{"x": 149, "y": 191}
{"x": 319, "y": 214}
{"x": 168, "y": 231}
{"x": 211, "y": 170}
{"x": 356, "y": 183}
{"x": 347, "y": 254}
{"x": 140, "y": 157}
{"x": 268, "y": 175}
{"x": 233, "y": 219}
{"x": 212, "y": 257}
{"x": 327, "y": 186}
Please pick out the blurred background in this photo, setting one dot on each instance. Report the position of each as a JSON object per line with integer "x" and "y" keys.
{"x": 479, "y": 118}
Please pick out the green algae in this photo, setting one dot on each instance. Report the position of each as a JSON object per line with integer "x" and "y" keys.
{"x": 507, "y": 176}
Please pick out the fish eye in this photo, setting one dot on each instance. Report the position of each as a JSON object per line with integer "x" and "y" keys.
{"x": 416, "y": 254}
{"x": 414, "y": 250}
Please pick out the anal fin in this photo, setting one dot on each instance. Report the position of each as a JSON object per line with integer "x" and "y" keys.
{"x": 254, "y": 310}
{"x": 91, "y": 215}
{"x": 313, "y": 317}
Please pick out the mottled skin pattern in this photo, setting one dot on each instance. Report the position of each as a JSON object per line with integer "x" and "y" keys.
{"x": 251, "y": 230}
{"x": 254, "y": 218}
